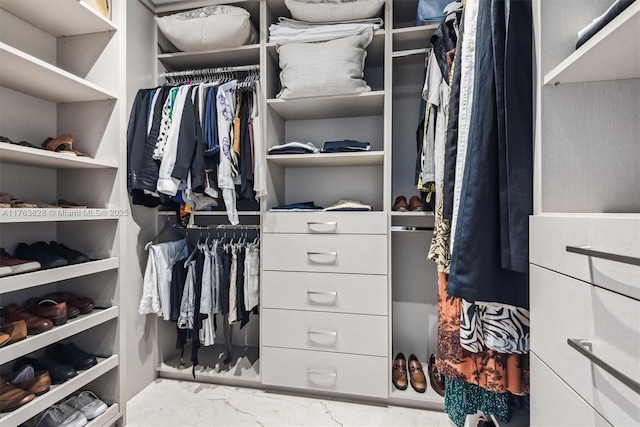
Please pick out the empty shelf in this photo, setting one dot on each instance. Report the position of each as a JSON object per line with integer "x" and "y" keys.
{"x": 366, "y": 158}
{"x": 413, "y": 37}
{"x": 244, "y": 55}
{"x": 363, "y": 104}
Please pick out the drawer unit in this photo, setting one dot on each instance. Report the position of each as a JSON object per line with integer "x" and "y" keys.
{"x": 553, "y": 403}
{"x": 336, "y": 332}
{"x": 325, "y": 222}
{"x": 365, "y": 254}
{"x": 332, "y": 372}
{"x": 564, "y": 308}
{"x": 341, "y": 293}
{"x": 617, "y": 234}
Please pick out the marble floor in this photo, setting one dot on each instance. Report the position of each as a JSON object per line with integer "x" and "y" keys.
{"x": 187, "y": 404}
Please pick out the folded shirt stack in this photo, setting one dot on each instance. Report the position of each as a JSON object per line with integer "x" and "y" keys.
{"x": 601, "y": 21}
{"x": 297, "y": 207}
{"x": 290, "y": 30}
{"x": 294, "y": 148}
{"x": 345, "y": 146}
{"x": 348, "y": 205}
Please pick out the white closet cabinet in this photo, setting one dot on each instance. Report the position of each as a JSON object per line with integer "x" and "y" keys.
{"x": 585, "y": 233}
{"x": 341, "y": 293}
{"x": 61, "y": 72}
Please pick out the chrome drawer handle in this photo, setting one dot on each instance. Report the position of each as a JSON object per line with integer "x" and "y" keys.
{"x": 319, "y": 332}
{"x": 332, "y": 293}
{"x": 586, "y": 250}
{"x": 333, "y": 224}
{"x": 333, "y": 374}
{"x": 334, "y": 255}
{"x": 580, "y": 346}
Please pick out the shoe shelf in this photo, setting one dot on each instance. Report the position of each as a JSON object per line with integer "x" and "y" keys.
{"x": 409, "y": 397}
{"x": 28, "y": 156}
{"x": 244, "y": 55}
{"x": 28, "y": 74}
{"x": 19, "y": 215}
{"x": 327, "y": 107}
{"x": 599, "y": 59}
{"x": 365, "y": 158}
{"x": 57, "y": 392}
{"x": 412, "y": 37}
{"x": 18, "y": 282}
{"x": 108, "y": 418}
{"x": 241, "y": 372}
{"x": 58, "y": 333}
{"x": 212, "y": 213}
{"x": 59, "y": 18}
{"x": 418, "y": 214}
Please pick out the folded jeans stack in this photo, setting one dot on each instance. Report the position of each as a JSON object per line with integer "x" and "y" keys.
{"x": 294, "y": 148}
{"x": 297, "y": 207}
{"x": 345, "y": 146}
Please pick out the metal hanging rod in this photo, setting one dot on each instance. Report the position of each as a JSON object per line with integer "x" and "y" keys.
{"x": 224, "y": 227}
{"x": 204, "y": 71}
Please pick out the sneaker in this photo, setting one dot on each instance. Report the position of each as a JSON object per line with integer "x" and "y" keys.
{"x": 61, "y": 415}
{"x": 16, "y": 265}
{"x": 87, "y": 403}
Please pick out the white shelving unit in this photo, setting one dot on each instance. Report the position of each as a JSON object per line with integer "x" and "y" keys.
{"x": 364, "y": 104}
{"x": 367, "y": 158}
{"x": 586, "y": 64}
{"x": 57, "y": 393}
{"x": 61, "y": 73}
{"x": 245, "y": 55}
{"x": 412, "y": 37}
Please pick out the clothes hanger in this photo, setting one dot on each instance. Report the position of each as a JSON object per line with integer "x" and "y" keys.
{"x": 167, "y": 226}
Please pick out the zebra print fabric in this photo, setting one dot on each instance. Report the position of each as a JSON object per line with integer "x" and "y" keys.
{"x": 500, "y": 327}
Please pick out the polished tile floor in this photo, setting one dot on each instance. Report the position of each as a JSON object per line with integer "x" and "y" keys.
{"x": 186, "y": 404}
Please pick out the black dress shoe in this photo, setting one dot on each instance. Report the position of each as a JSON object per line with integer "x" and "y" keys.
{"x": 71, "y": 355}
{"x": 42, "y": 253}
{"x": 71, "y": 255}
{"x": 58, "y": 372}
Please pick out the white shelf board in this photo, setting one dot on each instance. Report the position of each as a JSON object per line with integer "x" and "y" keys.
{"x": 28, "y": 74}
{"x": 413, "y": 37}
{"x": 243, "y": 370}
{"x": 107, "y": 418}
{"x": 57, "y": 393}
{"x": 72, "y": 327}
{"x": 244, "y": 55}
{"x": 18, "y": 215}
{"x": 324, "y": 107}
{"x": 411, "y": 214}
{"x": 365, "y": 158}
{"x": 59, "y": 18}
{"x": 409, "y": 397}
{"x": 599, "y": 58}
{"x": 42, "y": 277}
{"x": 212, "y": 213}
{"x": 28, "y": 156}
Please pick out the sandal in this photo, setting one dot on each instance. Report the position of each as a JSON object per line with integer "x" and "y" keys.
{"x": 62, "y": 144}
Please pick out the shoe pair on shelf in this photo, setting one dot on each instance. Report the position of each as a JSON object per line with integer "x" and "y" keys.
{"x": 76, "y": 411}
{"x": 10, "y": 265}
{"x": 12, "y": 332}
{"x": 50, "y": 255}
{"x": 62, "y": 361}
{"x": 415, "y": 374}
{"x": 41, "y": 314}
{"x": 401, "y": 205}
{"x": 22, "y": 387}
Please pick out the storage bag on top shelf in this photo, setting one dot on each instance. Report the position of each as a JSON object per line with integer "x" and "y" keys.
{"x": 333, "y": 10}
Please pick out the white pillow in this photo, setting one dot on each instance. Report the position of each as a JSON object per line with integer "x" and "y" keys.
{"x": 334, "y": 67}
{"x": 333, "y": 10}
{"x": 208, "y": 28}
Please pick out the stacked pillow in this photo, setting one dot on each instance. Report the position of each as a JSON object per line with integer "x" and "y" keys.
{"x": 333, "y": 10}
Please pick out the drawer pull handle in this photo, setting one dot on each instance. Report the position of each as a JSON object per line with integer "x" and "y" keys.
{"x": 331, "y": 293}
{"x": 333, "y": 224}
{"x": 581, "y": 347}
{"x": 319, "y": 332}
{"x": 586, "y": 250}
{"x": 333, "y": 255}
{"x": 333, "y": 374}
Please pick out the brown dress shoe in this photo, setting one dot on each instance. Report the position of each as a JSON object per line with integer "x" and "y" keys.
{"x": 36, "y": 382}
{"x": 35, "y": 325}
{"x": 17, "y": 331}
{"x": 436, "y": 379}
{"x": 12, "y": 397}
{"x": 83, "y": 304}
{"x": 415, "y": 204}
{"x": 4, "y": 338}
{"x": 400, "y": 204}
{"x": 48, "y": 309}
{"x": 416, "y": 374}
{"x": 399, "y": 372}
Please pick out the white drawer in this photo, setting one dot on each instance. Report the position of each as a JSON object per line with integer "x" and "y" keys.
{"x": 336, "y": 332}
{"x": 366, "y": 254}
{"x": 563, "y": 308}
{"x": 341, "y": 293}
{"x": 615, "y": 234}
{"x": 331, "y": 372}
{"x": 325, "y": 222}
{"x": 554, "y": 404}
